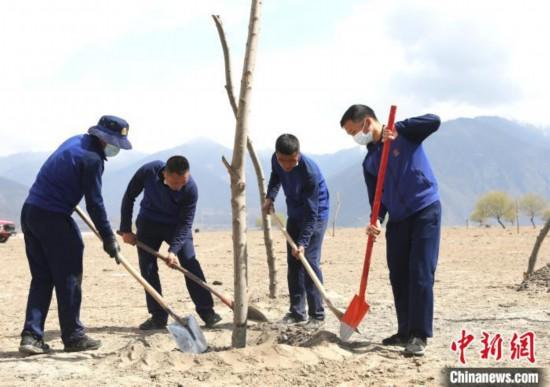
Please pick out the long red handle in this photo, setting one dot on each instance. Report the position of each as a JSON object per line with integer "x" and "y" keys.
{"x": 376, "y": 203}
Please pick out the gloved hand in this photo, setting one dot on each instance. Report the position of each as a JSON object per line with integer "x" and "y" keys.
{"x": 112, "y": 248}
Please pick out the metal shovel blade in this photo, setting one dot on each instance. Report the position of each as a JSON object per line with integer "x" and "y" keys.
{"x": 355, "y": 313}
{"x": 256, "y": 314}
{"x": 188, "y": 336}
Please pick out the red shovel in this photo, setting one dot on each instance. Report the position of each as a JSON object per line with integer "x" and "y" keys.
{"x": 358, "y": 307}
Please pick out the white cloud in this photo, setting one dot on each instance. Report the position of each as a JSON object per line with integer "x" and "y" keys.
{"x": 453, "y": 59}
{"x": 450, "y": 58}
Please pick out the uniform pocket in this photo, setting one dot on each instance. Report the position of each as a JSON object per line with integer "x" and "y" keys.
{"x": 422, "y": 181}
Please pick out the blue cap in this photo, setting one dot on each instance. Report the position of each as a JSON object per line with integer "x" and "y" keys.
{"x": 113, "y": 130}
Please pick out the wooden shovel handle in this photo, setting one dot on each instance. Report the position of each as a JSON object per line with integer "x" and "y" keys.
{"x": 148, "y": 288}
{"x": 185, "y": 272}
{"x": 308, "y": 267}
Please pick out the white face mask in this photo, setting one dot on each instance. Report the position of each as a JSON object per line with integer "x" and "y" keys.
{"x": 111, "y": 150}
{"x": 363, "y": 138}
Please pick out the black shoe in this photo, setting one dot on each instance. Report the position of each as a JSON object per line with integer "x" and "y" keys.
{"x": 212, "y": 319}
{"x": 314, "y": 323}
{"x": 416, "y": 346}
{"x": 83, "y": 343}
{"x": 30, "y": 345}
{"x": 152, "y": 324}
{"x": 396, "y": 339}
{"x": 292, "y": 319}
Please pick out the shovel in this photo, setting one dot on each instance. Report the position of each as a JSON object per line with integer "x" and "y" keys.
{"x": 185, "y": 330}
{"x": 254, "y": 313}
{"x": 337, "y": 312}
{"x": 358, "y": 307}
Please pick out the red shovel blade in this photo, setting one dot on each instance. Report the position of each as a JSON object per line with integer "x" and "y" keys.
{"x": 355, "y": 313}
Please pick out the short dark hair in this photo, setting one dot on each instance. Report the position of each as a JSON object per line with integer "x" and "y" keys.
{"x": 356, "y": 113}
{"x": 177, "y": 164}
{"x": 287, "y": 144}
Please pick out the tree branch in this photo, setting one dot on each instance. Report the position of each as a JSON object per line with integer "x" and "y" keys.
{"x": 227, "y": 61}
{"x": 233, "y": 174}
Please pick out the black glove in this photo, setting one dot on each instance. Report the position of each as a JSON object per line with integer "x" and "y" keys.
{"x": 112, "y": 248}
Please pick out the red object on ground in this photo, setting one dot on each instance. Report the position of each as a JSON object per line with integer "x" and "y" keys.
{"x": 7, "y": 229}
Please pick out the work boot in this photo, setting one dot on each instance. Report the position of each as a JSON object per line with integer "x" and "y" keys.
{"x": 292, "y": 319}
{"x": 152, "y": 323}
{"x": 314, "y": 323}
{"x": 30, "y": 345}
{"x": 83, "y": 343}
{"x": 416, "y": 346}
{"x": 397, "y": 339}
{"x": 212, "y": 319}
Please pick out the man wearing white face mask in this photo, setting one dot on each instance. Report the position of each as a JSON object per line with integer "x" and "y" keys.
{"x": 361, "y": 137}
{"x": 166, "y": 214}
{"x": 52, "y": 239}
{"x": 411, "y": 199}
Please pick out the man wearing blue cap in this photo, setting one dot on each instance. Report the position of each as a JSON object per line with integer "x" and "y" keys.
{"x": 166, "y": 215}
{"x": 53, "y": 242}
{"x": 307, "y": 201}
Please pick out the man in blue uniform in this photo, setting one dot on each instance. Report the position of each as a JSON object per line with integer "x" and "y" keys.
{"x": 52, "y": 240}
{"x": 411, "y": 199}
{"x": 307, "y": 201}
{"x": 166, "y": 213}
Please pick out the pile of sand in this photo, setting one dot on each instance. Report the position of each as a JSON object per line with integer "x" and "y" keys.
{"x": 538, "y": 281}
{"x": 269, "y": 345}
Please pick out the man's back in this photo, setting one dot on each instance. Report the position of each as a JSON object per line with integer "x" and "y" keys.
{"x": 61, "y": 182}
{"x": 160, "y": 203}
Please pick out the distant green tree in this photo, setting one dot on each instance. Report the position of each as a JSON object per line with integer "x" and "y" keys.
{"x": 510, "y": 217}
{"x": 495, "y": 204}
{"x": 477, "y": 217}
{"x": 533, "y": 206}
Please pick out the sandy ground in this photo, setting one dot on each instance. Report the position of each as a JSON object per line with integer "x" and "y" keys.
{"x": 476, "y": 289}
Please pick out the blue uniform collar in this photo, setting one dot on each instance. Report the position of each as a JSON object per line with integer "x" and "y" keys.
{"x": 160, "y": 177}
{"x": 93, "y": 143}
{"x": 160, "y": 180}
{"x": 300, "y": 162}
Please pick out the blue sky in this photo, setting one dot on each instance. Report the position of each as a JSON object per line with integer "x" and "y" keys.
{"x": 160, "y": 66}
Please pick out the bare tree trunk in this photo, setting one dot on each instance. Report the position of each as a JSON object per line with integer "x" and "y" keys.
{"x": 237, "y": 173}
{"x": 536, "y": 247}
{"x": 338, "y": 204}
{"x": 266, "y": 223}
{"x": 500, "y": 222}
{"x": 266, "y": 219}
{"x": 533, "y": 221}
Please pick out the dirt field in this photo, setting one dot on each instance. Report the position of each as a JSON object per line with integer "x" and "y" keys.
{"x": 476, "y": 289}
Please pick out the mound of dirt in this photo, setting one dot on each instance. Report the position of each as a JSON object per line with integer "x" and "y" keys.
{"x": 299, "y": 337}
{"x": 538, "y": 281}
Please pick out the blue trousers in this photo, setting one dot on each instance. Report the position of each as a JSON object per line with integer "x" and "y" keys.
{"x": 54, "y": 250}
{"x": 412, "y": 252}
{"x": 153, "y": 234}
{"x": 300, "y": 285}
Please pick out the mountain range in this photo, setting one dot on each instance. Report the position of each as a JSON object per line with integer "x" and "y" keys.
{"x": 470, "y": 156}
